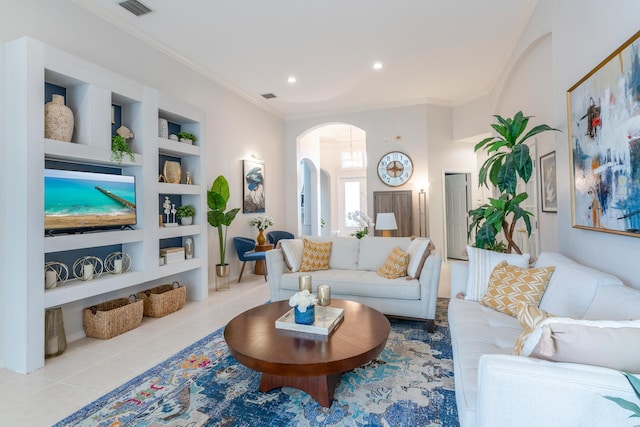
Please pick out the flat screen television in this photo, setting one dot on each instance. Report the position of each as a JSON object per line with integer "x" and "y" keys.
{"x": 80, "y": 201}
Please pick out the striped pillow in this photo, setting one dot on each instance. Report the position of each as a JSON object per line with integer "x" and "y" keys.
{"x": 292, "y": 252}
{"x": 482, "y": 263}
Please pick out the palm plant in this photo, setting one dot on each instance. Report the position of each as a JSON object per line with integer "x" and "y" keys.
{"x": 625, "y": 404}
{"x": 509, "y": 159}
{"x": 217, "y": 199}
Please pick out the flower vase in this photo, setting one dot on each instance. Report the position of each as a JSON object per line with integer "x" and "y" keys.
{"x": 306, "y": 318}
{"x": 261, "y": 238}
{"x": 58, "y": 120}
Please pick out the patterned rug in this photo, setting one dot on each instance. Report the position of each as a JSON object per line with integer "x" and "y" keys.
{"x": 409, "y": 384}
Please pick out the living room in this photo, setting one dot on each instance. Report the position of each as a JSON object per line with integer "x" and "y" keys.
{"x": 559, "y": 44}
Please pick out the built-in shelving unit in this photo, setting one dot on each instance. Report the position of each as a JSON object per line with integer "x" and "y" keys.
{"x": 91, "y": 93}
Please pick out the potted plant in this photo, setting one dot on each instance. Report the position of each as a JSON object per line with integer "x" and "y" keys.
{"x": 119, "y": 148}
{"x": 217, "y": 199}
{"x": 304, "y": 304}
{"x": 187, "y": 137}
{"x": 185, "y": 214}
{"x": 509, "y": 158}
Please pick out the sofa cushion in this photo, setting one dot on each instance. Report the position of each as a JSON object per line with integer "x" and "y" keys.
{"x": 344, "y": 253}
{"x": 529, "y": 316}
{"x": 509, "y": 285}
{"x": 611, "y": 344}
{"x": 395, "y": 265}
{"x": 347, "y": 283}
{"x": 292, "y": 253}
{"x": 315, "y": 255}
{"x": 418, "y": 250}
{"x": 374, "y": 250}
{"x": 613, "y": 302}
{"x": 482, "y": 263}
{"x": 572, "y": 287}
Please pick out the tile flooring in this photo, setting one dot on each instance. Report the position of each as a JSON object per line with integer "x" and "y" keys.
{"x": 90, "y": 368}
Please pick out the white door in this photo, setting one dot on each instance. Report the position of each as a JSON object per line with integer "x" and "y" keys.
{"x": 456, "y": 213}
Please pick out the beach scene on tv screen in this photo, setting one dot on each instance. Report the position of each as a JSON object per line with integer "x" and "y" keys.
{"x": 75, "y": 200}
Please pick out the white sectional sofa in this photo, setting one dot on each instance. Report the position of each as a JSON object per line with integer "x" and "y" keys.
{"x": 495, "y": 388}
{"x": 352, "y": 276}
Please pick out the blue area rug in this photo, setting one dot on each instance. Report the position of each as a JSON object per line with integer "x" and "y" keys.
{"x": 409, "y": 384}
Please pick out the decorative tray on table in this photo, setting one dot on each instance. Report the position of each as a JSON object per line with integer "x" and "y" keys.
{"x": 327, "y": 318}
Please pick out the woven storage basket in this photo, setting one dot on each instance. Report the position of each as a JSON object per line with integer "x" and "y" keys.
{"x": 112, "y": 318}
{"x": 163, "y": 300}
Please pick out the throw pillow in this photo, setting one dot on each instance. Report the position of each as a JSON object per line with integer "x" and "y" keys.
{"x": 315, "y": 255}
{"x": 418, "y": 250}
{"x": 292, "y": 252}
{"x": 607, "y": 343}
{"x": 509, "y": 284}
{"x": 481, "y": 264}
{"x": 529, "y": 316}
{"x": 395, "y": 265}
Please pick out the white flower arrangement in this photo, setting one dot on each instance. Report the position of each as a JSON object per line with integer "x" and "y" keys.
{"x": 365, "y": 223}
{"x": 302, "y": 300}
{"x": 261, "y": 222}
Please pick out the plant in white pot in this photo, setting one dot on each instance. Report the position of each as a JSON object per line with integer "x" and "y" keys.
{"x": 217, "y": 199}
{"x": 185, "y": 214}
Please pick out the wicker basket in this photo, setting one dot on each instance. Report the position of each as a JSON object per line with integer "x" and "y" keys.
{"x": 163, "y": 300}
{"x": 112, "y": 318}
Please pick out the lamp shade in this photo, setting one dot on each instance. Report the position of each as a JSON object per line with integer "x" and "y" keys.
{"x": 386, "y": 221}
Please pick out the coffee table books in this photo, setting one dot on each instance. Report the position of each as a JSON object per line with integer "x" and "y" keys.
{"x": 327, "y": 318}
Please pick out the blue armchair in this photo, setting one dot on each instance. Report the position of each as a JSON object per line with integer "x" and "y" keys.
{"x": 245, "y": 250}
{"x": 275, "y": 236}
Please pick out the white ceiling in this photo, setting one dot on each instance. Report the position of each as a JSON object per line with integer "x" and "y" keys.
{"x": 441, "y": 51}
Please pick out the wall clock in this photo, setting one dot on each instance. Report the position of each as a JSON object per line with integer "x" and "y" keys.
{"x": 395, "y": 168}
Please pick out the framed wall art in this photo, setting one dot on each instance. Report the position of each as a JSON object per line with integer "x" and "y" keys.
{"x": 253, "y": 186}
{"x": 604, "y": 144}
{"x": 548, "y": 185}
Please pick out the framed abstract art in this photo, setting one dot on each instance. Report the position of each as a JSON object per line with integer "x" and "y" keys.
{"x": 604, "y": 144}
{"x": 253, "y": 186}
{"x": 548, "y": 185}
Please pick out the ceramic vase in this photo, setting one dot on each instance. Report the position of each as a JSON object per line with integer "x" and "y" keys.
{"x": 222, "y": 277}
{"x": 306, "y": 318}
{"x": 58, "y": 120}
{"x": 186, "y": 220}
{"x": 261, "y": 239}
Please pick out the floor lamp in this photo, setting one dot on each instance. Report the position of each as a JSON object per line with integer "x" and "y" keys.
{"x": 422, "y": 212}
{"x": 386, "y": 222}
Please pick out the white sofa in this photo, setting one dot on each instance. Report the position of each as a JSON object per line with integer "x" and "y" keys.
{"x": 494, "y": 388}
{"x": 352, "y": 276}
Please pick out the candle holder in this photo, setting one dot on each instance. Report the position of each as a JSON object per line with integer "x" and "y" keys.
{"x": 304, "y": 282}
{"x": 117, "y": 262}
{"x": 55, "y": 274}
{"x": 87, "y": 268}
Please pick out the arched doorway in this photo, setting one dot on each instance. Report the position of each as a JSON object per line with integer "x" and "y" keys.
{"x": 331, "y": 157}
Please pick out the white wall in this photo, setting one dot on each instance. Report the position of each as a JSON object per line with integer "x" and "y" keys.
{"x": 582, "y": 34}
{"x": 425, "y": 133}
{"x": 235, "y": 128}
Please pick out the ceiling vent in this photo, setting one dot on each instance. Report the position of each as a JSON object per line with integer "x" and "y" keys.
{"x": 268, "y": 96}
{"x": 135, "y": 7}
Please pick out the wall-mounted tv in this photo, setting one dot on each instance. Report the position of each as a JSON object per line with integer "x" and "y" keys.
{"x": 79, "y": 201}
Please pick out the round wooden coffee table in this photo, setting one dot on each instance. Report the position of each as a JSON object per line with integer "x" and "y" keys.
{"x": 309, "y": 362}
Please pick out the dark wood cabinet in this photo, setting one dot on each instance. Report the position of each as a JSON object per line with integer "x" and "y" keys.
{"x": 398, "y": 202}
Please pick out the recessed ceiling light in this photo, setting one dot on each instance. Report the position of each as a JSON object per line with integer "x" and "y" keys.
{"x": 377, "y": 65}
{"x": 292, "y": 79}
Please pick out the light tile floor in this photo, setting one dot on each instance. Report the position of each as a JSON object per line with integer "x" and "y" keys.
{"x": 90, "y": 368}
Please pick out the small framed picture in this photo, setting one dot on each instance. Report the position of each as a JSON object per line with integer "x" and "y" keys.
{"x": 253, "y": 188}
{"x": 548, "y": 185}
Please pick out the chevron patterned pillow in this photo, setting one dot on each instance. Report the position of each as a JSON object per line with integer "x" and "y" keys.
{"x": 395, "y": 265}
{"x": 509, "y": 285}
{"x": 315, "y": 255}
{"x": 529, "y": 316}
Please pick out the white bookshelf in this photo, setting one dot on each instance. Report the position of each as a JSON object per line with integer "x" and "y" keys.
{"x": 91, "y": 90}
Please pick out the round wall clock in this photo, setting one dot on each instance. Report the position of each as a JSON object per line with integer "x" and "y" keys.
{"x": 395, "y": 168}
